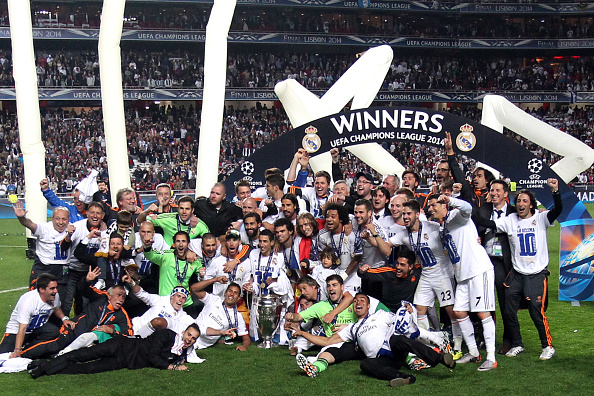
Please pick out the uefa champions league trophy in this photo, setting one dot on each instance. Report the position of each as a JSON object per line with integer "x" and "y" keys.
{"x": 268, "y": 318}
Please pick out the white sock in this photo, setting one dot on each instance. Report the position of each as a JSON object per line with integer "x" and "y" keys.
{"x": 83, "y": 340}
{"x": 489, "y": 334}
{"x": 145, "y": 330}
{"x": 457, "y": 335}
{"x": 423, "y": 322}
{"x": 433, "y": 338}
{"x": 468, "y": 334}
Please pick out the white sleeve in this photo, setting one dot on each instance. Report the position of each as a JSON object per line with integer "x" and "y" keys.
{"x": 41, "y": 230}
{"x": 464, "y": 207}
{"x": 147, "y": 298}
{"x": 241, "y": 327}
{"x": 345, "y": 333}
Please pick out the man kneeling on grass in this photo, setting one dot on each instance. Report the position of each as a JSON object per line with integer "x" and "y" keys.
{"x": 374, "y": 339}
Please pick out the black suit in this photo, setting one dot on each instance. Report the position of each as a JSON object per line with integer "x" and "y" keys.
{"x": 118, "y": 353}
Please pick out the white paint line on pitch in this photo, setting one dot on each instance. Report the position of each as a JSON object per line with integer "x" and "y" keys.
{"x": 11, "y": 290}
{"x": 12, "y": 246}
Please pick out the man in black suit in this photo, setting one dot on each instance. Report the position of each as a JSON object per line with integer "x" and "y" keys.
{"x": 497, "y": 244}
{"x": 164, "y": 349}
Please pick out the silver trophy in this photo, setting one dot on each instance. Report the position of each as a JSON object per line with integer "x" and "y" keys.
{"x": 268, "y": 318}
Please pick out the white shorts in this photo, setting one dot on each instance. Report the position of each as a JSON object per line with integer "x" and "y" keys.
{"x": 476, "y": 294}
{"x": 430, "y": 288}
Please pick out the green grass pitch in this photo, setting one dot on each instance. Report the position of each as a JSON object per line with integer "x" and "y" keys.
{"x": 274, "y": 372}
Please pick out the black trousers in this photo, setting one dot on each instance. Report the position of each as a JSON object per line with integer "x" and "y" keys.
{"x": 388, "y": 368}
{"x": 58, "y": 270}
{"x": 46, "y": 332}
{"x": 534, "y": 289}
{"x": 500, "y": 274}
{"x": 345, "y": 352}
{"x": 99, "y": 358}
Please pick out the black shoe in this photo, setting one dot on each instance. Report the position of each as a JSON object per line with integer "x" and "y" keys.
{"x": 403, "y": 379}
{"x": 448, "y": 361}
{"x": 36, "y": 369}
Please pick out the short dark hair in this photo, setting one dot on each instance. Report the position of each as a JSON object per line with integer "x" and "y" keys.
{"x": 276, "y": 179}
{"x": 182, "y": 233}
{"x": 97, "y": 205}
{"x": 209, "y": 235}
{"x": 325, "y": 174}
{"x": 254, "y": 215}
{"x": 383, "y": 190}
{"x": 124, "y": 217}
{"x": 283, "y": 221}
{"x": 335, "y": 277}
{"x": 364, "y": 295}
{"x": 242, "y": 183}
{"x": 293, "y": 199}
{"x": 433, "y": 196}
{"x": 413, "y": 173}
{"x": 268, "y": 233}
{"x": 343, "y": 214}
{"x": 193, "y": 326}
{"x": 364, "y": 202}
{"x": 186, "y": 198}
{"x": 43, "y": 280}
{"x": 447, "y": 185}
{"x": 413, "y": 204}
{"x": 307, "y": 280}
{"x": 115, "y": 235}
{"x": 502, "y": 182}
{"x": 234, "y": 284}
{"x": 407, "y": 254}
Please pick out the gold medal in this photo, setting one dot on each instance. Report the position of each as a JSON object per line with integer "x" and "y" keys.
{"x": 289, "y": 273}
{"x": 338, "y": 261}
{"x": 263, "y": 285}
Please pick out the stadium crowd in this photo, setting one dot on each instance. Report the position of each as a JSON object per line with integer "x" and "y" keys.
{"x": 161, "y": 142}
{"x": 369, "y": 22}
{"x": 182, "y": 69}
{"x": 186, "y": 274}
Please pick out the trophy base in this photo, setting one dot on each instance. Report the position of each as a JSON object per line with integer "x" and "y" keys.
{"x": 268, "y": 345}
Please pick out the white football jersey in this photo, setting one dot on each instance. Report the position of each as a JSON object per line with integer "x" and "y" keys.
{"x": 428, "y": 247}
{"x": 48, "y": 247}
{"x": 31, "y": 310}
{"x": 213, "y": 315}
{"x": 370, "y": 332}
{"x": 346, "y": 244}
{"x": 528, "y": 241}
{"x": 240, "y": 275}
{"x": 160, "y": 307}
{"x": 460, "y": 239}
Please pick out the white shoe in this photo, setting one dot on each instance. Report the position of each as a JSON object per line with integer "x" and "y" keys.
{"x": 515, "y": 351}
{"x": 547, "y": 353}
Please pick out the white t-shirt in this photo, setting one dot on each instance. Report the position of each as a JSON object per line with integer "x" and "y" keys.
{"x": 390, "y": 226}
{"x": 428, "y": 248}
{"x": 320, "y": 274}
{"x": 260, "y": 268}
{"x": 213, "y": 315}
{"x": 144, "y": 264}
{"x": 239, "y": 275}
{"x": 48, "y": 247}
{"x": 160, "y": 307}
{"x": 370, "y": 332}
{"x": 80, "y": 235}
{"x": 31, "y": 310}
{"x": 466, "y": 253}
{"x": 528, "y": 241}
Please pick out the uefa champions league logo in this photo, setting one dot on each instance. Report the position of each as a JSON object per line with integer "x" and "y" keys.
{"x": 247, "y": 168}
{"x": 535, "y": 165}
